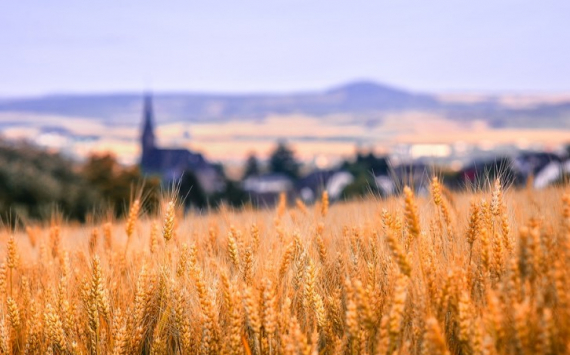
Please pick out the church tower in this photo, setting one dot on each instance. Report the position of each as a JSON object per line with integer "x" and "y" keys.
{"x": 147, "y": 137}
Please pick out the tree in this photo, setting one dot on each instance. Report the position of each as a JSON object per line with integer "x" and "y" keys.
{"x": 232, "y": 195}
{"x": 283, "y": 161}
{"x": 364, "y": 169}
{"x": 362, "y": 185}
{"x": 375, "y": 165}
{"x": 251, "y": 166}
{"x": 191, "y": 192}
{"x": 115, "y": 184}
{"x": 34, "y": 183}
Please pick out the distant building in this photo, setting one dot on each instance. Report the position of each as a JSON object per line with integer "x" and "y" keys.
{"x": 170, "y": 164}
{"x": 416, "y": 175}
{"x": 334, "y": 182}
{"x": 544, "y": 168}
{"x": 264, "y": 189}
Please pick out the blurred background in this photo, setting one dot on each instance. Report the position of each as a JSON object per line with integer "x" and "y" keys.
{"x": 237, "y": 102}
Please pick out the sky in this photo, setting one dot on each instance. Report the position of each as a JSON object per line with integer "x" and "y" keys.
{"x": 65, "y": 46}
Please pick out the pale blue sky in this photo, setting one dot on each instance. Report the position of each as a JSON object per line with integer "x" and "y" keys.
{"x": 283, "y": 45}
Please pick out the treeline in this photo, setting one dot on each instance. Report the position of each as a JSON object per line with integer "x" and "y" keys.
{"x": 35, "y": 184}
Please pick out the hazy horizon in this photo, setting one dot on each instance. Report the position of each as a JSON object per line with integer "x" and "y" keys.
{"x": 276, "y": 92}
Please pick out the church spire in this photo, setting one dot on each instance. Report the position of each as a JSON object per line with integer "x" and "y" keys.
{"x": 147, "y": 138}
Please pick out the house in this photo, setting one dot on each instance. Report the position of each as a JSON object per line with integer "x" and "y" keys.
{"x": 311, "y": 186}
{"x": 544, "y": 168}
{"x": 416, "y": 175}
{"x": 171, "y": 163}
{"x": 264, "y": 189}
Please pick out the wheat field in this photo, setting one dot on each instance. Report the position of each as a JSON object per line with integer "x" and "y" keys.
{"x": 483, "y": 272}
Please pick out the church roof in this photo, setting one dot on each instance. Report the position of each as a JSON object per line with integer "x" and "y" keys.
{"x": 162, "y": 160}
{"x": 171, "y": 164}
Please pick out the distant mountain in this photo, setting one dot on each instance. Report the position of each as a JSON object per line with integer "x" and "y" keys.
{"x": 355, "y": 97}
{"x": 361, "y": 99}
{"x": 361, "y": 96}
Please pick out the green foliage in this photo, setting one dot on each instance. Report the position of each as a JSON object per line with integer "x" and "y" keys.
{"x": 34, "y": 182}
{"x": 233, "y": 194}
{"x": 194, "y": 196}
{"x": 191, "y": 192}
{"x": 283, "y": 161}
{"x": 362, "y": 185}
{"x": 364, "y": 168}
{"x": 251, "y": 166}
{"x": 116, "y": 184}
{"x": 369, "y": 163}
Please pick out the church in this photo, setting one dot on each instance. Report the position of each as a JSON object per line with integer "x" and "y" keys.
{"x": 171, "y": 164}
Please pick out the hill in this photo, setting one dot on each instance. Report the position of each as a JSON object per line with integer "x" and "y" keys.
{"x": 329, "y": 122}
{"x": 351, "y": 98}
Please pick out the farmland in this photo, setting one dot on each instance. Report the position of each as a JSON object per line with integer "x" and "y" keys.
{"x": 480, "y": 272}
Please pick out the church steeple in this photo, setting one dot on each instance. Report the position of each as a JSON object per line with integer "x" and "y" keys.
{"x": 147, "y": 138}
